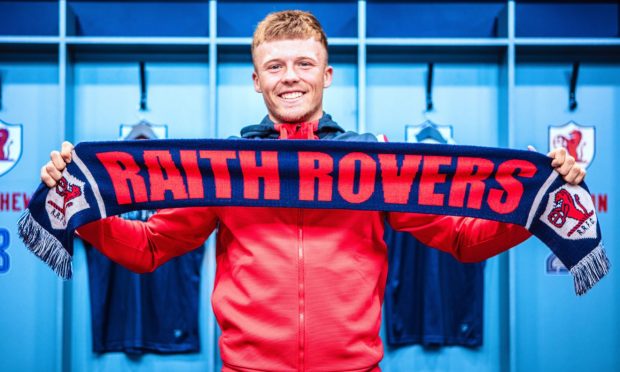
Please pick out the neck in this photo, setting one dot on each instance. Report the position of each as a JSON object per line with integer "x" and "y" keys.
{"x": 316, "y": 117}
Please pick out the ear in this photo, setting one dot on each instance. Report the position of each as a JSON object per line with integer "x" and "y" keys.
{"x": 328, "y": 75}
{"x": 256, "y": 82}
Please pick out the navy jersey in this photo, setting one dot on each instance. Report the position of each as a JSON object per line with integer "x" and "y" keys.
{"x": 430, "y": 297}
{"x": 138, "y": 313}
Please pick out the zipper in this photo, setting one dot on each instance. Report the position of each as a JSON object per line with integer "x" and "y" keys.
{"x": 302, "y": 304}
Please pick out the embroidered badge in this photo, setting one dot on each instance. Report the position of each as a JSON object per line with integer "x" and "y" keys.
{"x": 10, "y": 146}
{"x": 65, "y": 200}
{"x": 570, "y": 213}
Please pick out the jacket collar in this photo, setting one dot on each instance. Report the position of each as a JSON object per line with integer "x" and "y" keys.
{"x": 266, "y": 129}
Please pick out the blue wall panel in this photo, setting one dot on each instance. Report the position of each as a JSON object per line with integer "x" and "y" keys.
{"x": 107, "y": 93}
{"x": 29, "y": 305}
{"x": 555, "y": 329}
{"x": 466, "y": 97}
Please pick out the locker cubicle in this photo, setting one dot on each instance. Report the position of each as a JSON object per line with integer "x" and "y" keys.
{"x": 501, "y": 73}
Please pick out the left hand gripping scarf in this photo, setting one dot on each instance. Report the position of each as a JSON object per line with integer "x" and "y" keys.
{"x": 521, "y": 187}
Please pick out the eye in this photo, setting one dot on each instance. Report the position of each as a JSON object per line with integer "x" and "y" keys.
{"x": 305, "y": 64}
{"x": 274, "y": 67}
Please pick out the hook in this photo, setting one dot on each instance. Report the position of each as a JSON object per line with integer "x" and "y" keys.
{"x": 142, "y": 87}
{"x": 429, "y": 88}
{"x": 572, "y": 101}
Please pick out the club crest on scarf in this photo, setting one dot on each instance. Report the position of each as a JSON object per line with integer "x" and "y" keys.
{"x": 578, "y": 140}
{"x": 10, "y": 146}
{"x": 570, "y": 213}
{"x": 65, "y": 200}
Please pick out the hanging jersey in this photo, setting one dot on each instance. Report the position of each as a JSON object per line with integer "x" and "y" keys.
{"x": 430, "y": 297}
{"x": 143, "y": 313}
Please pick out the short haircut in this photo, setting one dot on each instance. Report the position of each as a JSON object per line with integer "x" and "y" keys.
{"x": 288, "y": 24}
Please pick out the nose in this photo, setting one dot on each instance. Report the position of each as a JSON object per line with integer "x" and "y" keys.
{"x": 290, "y": 75}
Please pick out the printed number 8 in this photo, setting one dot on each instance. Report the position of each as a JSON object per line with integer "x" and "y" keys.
{"x": 4, "y": 244}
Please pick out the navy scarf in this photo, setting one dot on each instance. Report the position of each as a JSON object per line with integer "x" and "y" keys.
{"x": 520, "y": 187}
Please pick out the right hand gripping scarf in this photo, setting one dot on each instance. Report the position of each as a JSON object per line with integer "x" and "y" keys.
{"x": 520, "y": 187}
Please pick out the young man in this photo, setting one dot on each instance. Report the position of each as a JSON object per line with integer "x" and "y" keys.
{"x": 295, "y": 289}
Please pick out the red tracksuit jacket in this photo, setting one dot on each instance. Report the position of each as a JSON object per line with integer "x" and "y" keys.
{"x": 295, "y": 289}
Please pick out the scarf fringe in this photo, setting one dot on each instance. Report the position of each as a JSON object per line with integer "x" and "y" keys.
{"x": 44, "y": 245}
{"x": 590, "y": 270}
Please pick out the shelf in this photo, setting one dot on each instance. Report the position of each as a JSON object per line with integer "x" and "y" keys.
{"x": 28, "y": 44}
{"x": 335, "y": 41}
{"x": 138, "y": 18}
{"x": 239, "y": 18}
{"x": 436, "y": 50}
{"x": 141, "y": 44}
{"x": 436, "y": 19}
{"x": 567, "y": 49}
{"x": 16, "y": 18}
{"x": 570, "y": 19}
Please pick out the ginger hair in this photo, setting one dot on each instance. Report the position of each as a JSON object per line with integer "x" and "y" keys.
{"x": 286, "y": 25}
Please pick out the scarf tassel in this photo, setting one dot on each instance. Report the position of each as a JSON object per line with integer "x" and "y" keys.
{"x": 44, "y": 245}
{"x": 590, "y": 270}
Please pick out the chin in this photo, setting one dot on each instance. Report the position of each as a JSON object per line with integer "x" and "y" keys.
{"x": 293, "y": 117}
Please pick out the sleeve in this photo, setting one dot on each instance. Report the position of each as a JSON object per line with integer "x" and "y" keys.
{"x": 467, "y": 239}
{"x": 142, "y": 246}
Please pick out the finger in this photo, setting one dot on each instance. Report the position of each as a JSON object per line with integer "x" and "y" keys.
{"x": 566, "y": 167}
{"x": 52, "y": 171}
{"x": 57, "y": 160}
{"x": 572, "y": 175}
{"x": 580, "y": 177}
{"x": 65, "y": 151}
{"x": 559, "y": 157}
{"x": 46, "y": 178}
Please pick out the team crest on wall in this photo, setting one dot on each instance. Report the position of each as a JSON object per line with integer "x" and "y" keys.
{"x": 578, "y": 140}
{"x": 11, "y": 144}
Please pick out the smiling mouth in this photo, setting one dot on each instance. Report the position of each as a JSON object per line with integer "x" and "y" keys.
{"x": 290, "y": 96}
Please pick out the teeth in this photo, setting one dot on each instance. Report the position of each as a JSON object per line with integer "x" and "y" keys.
{"x": 291, "y": 95}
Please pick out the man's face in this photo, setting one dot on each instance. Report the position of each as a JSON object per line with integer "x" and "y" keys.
{"x": 291, "y": 75}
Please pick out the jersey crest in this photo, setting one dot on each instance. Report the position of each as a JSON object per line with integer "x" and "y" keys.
{"x": 578, "y": 140}
{"x": 65, "y": 200}
{"x": 10, "y": 146}
{"x": 570, "y": 213}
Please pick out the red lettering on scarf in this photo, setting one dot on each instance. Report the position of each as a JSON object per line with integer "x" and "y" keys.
{"x": 346, "y": 177}
{"x": 469, "y": 172}
{"x": 123, "y": 172}
{"x": 157, "y": 162}
{"x": 189, "y": 160}
{"x": 431, "y": 177}
{"x": 512, "y": 188}
{"x": 220, "y": 170}
{"x": 268, "y": 171}
{"x": 397, "y": 182}
{"x": 315, "y": 166}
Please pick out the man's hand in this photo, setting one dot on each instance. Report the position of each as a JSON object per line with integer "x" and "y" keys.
{"x": 51, "y": 172}
{"x": 566, "y": 166}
